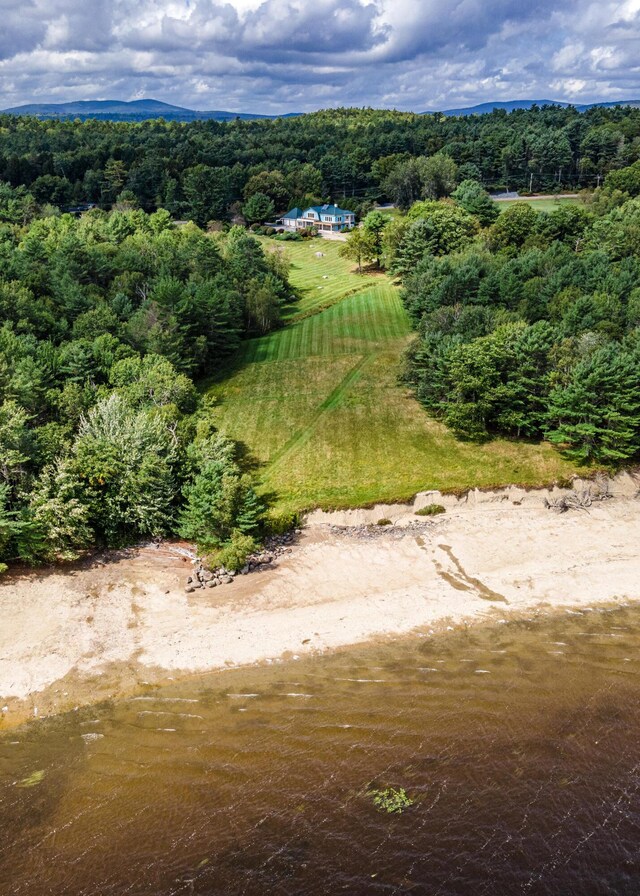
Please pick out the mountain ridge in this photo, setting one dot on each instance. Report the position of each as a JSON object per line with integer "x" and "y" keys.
{"x": 133, "y": 110}
{"x": 513, "y": 105}
{"x": 148, "y": 109}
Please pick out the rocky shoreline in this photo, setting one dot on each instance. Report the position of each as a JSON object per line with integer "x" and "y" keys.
{"x": 274, "y": 547}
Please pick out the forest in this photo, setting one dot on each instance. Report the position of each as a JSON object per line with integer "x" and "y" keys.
{"x": 530, "y": 327}
{"x": 527, "y": 323}
{"x": 107, "y": 321}
{"x": 207, "y": 170}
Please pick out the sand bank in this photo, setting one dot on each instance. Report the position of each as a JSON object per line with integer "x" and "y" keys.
{"x": 117, "y": 623}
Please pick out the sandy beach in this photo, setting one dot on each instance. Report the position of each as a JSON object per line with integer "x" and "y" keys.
{"x": 119, "y": 623}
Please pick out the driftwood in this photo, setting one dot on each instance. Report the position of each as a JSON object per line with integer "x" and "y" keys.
{"x": 599, "y": 490}
{"x": 572, "y": 501}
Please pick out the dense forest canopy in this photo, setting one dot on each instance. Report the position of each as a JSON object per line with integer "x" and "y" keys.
{"x": 201, "y": 170}
{"x": 106, "y": 321}
{"x": 530, "y": 328}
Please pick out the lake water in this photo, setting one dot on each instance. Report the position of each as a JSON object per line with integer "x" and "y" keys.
{"x": 519, "y": 745}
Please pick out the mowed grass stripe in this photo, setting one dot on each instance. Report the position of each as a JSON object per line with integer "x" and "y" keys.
{"x": 332, "y": 401}
{"x": 367, "y": 318}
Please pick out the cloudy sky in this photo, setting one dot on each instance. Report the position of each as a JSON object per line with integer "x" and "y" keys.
{"x": 297, "y": 55}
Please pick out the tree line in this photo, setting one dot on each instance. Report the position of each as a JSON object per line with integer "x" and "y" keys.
{"x": 528, "y": 322}
{"x": 208, "y": 170}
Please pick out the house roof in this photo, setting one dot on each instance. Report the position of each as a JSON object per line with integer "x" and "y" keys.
{"x": 329, "y": 210}
{"x": 294, "y": 213}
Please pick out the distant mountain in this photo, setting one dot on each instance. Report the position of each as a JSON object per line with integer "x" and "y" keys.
{"x": 136, "y": 110}
{"x": 510, "y": 105}
{"x": 143, "y": 110}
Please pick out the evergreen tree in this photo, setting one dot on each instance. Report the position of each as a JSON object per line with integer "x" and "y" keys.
{"x": 596, "y": 415}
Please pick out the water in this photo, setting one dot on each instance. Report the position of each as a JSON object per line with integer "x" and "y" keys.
{"x": 519, "y": 744}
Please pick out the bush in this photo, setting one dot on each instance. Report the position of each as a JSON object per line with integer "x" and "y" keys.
{"x": 281, "y": 523}
{"x": 384, "y": 522}
{"x": 431, "y": 510}
{"x": 234, "y": 554}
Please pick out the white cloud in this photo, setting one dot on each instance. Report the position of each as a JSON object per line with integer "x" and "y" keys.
{"x": 285, "y": 55}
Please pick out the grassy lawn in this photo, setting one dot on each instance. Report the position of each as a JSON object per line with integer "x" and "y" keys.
{"x": 318, "y": 407}
{"x": 546, "y": 204}
{"x": 319, "y": 281}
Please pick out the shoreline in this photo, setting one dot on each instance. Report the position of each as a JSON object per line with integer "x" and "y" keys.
{"x": 121, "y": 623}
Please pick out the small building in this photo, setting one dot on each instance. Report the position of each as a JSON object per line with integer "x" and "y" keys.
{"x": 322, "y": 217}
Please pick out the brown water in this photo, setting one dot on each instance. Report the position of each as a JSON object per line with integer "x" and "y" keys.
{"x": 519, "y": 744}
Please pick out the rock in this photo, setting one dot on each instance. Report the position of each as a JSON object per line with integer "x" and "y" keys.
{"x": 189, "y": 589}
{"x": 212, "y": 584}
{"x": 245, "y": 569}
{"x": 206, "y": 575}
{"x": 227, "y": 580}
{"x": 189, "y": 580}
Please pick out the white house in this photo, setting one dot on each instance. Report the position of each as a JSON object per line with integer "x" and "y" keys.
{"x": 322, "y": 217}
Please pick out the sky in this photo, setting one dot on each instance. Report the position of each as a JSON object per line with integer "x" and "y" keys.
{"x": 298, "y": 55}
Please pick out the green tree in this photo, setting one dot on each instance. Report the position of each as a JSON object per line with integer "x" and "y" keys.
{"x": 444, "y": 229}
{"x": 438, "y": 175}
{"x": 374, "y": 225}
{"x": 627, "y": 180}
{"x": 123, "y": 465}
{"x": 404, "y": 183}
{"x": 207, "y": 193}
{"x": 258, "y": 208}
{"x": 360, "y": 246}
{"x": 514, "y": 226}
{"x": 474, "y": 199}
{"x": 271, "y": 184}
{"x": 218, "y": 498}
{"x": 596, "y": 415}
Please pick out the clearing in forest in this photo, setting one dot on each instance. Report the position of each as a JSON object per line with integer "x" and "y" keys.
{"x": 541, "y": 203}
{"x": 319, "y": 407}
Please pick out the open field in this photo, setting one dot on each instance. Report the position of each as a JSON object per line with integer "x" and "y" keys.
{"x": 319, "y": 281}
{"x": 318, "y": 407}
{"x": 541, "y": 204}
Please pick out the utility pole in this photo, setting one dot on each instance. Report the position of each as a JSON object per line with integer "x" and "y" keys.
{"x": 531, "y": 182}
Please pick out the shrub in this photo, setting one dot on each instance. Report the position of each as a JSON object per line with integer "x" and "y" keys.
{"x": 234, "y": 553}
{"x": 384, "y": 522}
{"x": 281, "y": 523}
{"x": 431, "y": 510}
